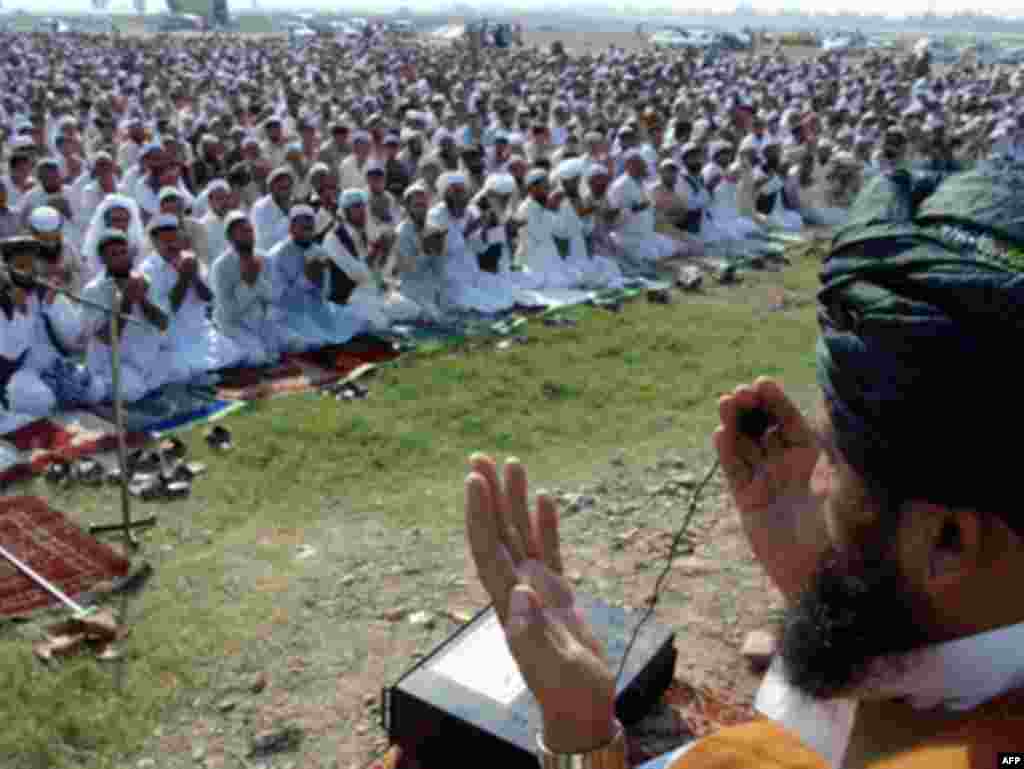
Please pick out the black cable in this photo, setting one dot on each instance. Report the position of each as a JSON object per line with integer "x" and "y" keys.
{"x": 668, "y": 566}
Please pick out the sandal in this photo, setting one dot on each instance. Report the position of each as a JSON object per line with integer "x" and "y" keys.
{"x": 89, "y": 472}
{"x": 219, "y": 438}
{"x": 59, "y": 472}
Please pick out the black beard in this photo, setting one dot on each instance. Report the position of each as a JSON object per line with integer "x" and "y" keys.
{"x": 304, "y": 244}
{"x": 245, "y": 249}
{"x": 120, "y": 274}
{"x": 858, "y": 608}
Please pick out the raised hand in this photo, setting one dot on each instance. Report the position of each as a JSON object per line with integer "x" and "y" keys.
{"x": 518, "y": 559}
{"x": 771, "y": 485}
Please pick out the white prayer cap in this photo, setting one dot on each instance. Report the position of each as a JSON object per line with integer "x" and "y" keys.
{"x": 375, "y": 165}
{"x": 668, "y": 163}
{"x": 632, "y": 154}
{"x": 570, "y": 169}
{"x": 295, "y": 148}
{"x": 110, "y": 235}
{"x": 446, "y": 180}
{"x": 845, "y": 159}
{"x": 353, "y": 196}
{"x": 501, "y": 184}
{"x": 150, "y": 148}
{"x": 415, "y": 188}
{"x": 361, "y": 136}
{"x": 300, "y": 211}
{"x": 51, "y": 162}
{"x": 691, "y": 147}
{"x": 536, "y": 176}
{"x": 250, "y": 141}
{"x": 168, "y": 193}
{"x": 597, "y": 169}
{"x": 45, "y": 219}
{"x": 279, "y": 172}
{"x": 215, "y": 185}
{"x": 719, "y": 146}
{"x": 234, "y": 218}
{"x": 101, "y": 157}
{"x": 444, "y": 134}
{"x": 163, "y": 222}
{"x": 319, "y": 168}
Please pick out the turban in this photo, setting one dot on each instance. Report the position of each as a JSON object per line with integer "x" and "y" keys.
{"x": 536, "y": 176}
{"x": 922, "y": 302}
{"x": 570, "y": 169}
{"x": 501, "y": 184}
{"x": 279, "y": 172}
{"x": 234, "y": 218}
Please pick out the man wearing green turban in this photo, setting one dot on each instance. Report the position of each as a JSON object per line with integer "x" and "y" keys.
{"x": 891, "y": 524}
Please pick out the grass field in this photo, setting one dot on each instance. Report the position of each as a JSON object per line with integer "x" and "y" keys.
{"x": 563, "y": 403}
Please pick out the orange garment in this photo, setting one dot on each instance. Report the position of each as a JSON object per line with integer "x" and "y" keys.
{"x": 969, "y": 740}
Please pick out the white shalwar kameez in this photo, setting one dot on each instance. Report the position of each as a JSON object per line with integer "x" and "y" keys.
{"x": 537, "y": 249}
{"x": 270, "y": 223}
{"x": 29, "y": 397}
{"x": 193, "y": 345}
{"x": 144, "y": 364}
{"x": 779, "y": 216}
{"x": 242, "y": 311}
{"x": 370, "y": 298}
{"x": 461, "y": 269}
{"x": 421, "y": 277}
{"x": 635, "y": 232}
{"x": 591, "y": 270}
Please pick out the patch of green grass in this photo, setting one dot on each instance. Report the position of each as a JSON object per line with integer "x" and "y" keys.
{"x": 564, "y": 404}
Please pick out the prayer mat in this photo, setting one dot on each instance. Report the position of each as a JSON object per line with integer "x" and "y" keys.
{"x": 31, "y": 449}
{"x": 305, "y": 372}
{"x": 53, "y": 547}
{"x": 172, "y": 407}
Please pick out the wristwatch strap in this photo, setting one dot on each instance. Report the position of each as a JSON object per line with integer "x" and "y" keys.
{"x": 610, "y": 756}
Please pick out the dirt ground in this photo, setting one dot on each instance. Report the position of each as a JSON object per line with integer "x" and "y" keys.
{"x": 346, "y": 628}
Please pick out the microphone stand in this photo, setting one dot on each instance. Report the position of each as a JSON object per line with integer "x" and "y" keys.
{"x": 116, "y": 319}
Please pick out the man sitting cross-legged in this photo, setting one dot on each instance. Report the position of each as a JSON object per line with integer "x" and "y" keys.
{"x": 242, "y": 290}
{"x": 193, "y": 346}
{"x": 143, "y": 362}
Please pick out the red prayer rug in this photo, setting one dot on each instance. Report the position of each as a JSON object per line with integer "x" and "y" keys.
{"x": 55, "y": 548}
{"x": 30, "y": 450}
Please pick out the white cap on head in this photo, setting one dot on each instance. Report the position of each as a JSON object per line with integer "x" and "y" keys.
{"x": 234, "y": 218}
{"x": 163, "y": 222}
{"x": 448, "y": 179}
{"x": 169, "y": 193}
{"x": 570, "y": 169}
{"x": 501, "y": 184}
{"x": 597, "y": 169}
{"x": 300, "y": 211}
{"x": 45, "y": 219}
{"x": 353, "y": 196}
{"x": 278, "y": 173}
{"x": 536, "y": 176}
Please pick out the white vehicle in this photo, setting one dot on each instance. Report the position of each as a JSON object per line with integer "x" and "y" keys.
{"x": 1011, "y": 56}
{"x": 843, "y": 42}
{"x": 669, "y": 38}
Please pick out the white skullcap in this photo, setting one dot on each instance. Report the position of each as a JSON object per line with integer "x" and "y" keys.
{"x": 163, "y": 222}
{"x": 669, "y": 163}
{"x": 319, "y": 168}
{"x": 278, "y": 172}
{"x": 536, "y": 176}
{"x": 166, "y": 193}
{"x": 353, "y": 196}
{"x": 234, "y": 218}
{"x": 217, "y": 184}
{"x": 597, "y": 169}
{"x": 361, "y": 136}
{"x": 45, "y": 219}
{"x": 110, "y": 235}
{"x": 151, "y": 148}
{"x": 418, "y": 186}
{"x": 446, "y": 180}
{"x": 749, "y": 144}
{"x": 570, "y": 169}
{"x": 375, "y": 165}
{"x": 297, "y": 212}
{"x": 633, "y": 154}
{"x": 501, "y": 184}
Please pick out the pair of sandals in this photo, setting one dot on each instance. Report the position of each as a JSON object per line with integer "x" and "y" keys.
{"x": 162, "y": 473}
{"x": 87, "y": 472}
{"x": 346, "y": 391}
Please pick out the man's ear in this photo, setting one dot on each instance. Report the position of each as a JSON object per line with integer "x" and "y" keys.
{"x": 941, "y": 547}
